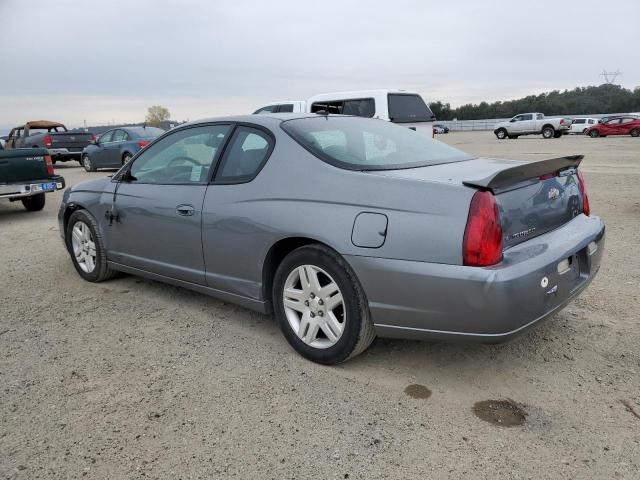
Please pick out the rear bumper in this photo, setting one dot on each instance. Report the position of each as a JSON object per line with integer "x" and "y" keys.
{"x": 421, "y": 300}
{"x": 33, "y": 187}
{"x": 64, "y": 153}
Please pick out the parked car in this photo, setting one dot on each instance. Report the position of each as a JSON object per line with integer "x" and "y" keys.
{"x": 61, "y": 144}
{"x": 345, "y": 227}
{"x": 580, "y": 125}
{"x": 26, "y": 174}
{"x": 439, "y": 129}
{"x": 623, "y": 125}
{"x": 532, "y": 124}
{"x": 397, "y": 106}
{"x": 116, "y": 147}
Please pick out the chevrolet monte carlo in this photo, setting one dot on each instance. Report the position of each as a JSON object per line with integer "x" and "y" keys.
{"x": 345, "y": 228}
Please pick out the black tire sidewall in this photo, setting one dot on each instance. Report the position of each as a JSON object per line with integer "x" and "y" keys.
{"x": 101, "y": 264}
{"x": 353, "y": 304}
{"x": 635, "y": 132}
{"x": 547, "y": 129}
{"x": 34, "y": 203}
{"x": 501, "y": 132}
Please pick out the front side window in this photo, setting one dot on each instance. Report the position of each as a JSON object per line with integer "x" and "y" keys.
{"x": 366, "y": 144}
{"x": 248, "y": 150}
{"x": 106, "y": 137}
{"x": 615, "y": 121}
{"x": 406, "y": 108}
{"x": 539, "y": 116}
{"x": 183, "y": 157}
{"x": 267, "y": 109}
{"x": 119, "y": 136}
{"x": 286, "y": 108}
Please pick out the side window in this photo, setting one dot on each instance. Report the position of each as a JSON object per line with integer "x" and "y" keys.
{"x": 286, "y": 108}
{"x": 106, "y": 137}
{"x": 615, "y": 121}
{"x": 184, "y": 157}
{"x": 119, "y": 136}
{"x": 591, "y": 121}
{"x": 579, "y": 120}
{"x": 365, "y": 107}
{"x": 528, "y": 116}
{"x": 538, "y": 116}
{"x": 517, "y": 118}
{"x": 328, "y": 107}
{"x": 267, "y": 109}
{"x": 247, "y": 153}
{"x": 627, "y": 120}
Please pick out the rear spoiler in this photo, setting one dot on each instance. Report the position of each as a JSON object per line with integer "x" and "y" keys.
{"x": 525, "y": 171}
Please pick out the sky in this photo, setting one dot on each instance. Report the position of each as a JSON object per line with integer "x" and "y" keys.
{"x": 106, "y": 61}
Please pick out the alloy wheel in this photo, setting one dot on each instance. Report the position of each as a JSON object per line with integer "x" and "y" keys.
{"x": 314, "y": 306}
{"x": 84, "y": 247}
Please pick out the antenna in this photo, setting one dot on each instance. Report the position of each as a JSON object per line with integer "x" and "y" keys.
{"x": 610, "y": 77}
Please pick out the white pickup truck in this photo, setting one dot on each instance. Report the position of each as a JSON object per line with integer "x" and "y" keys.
{"x": 532, "y": 124}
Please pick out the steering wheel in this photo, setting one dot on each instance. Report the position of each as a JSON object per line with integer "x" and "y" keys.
{"x": 185, "y": 158}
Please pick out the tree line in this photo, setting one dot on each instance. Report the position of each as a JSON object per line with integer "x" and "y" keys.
{"x": 604, "y": 98}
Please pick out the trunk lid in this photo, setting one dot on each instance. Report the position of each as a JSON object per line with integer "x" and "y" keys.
{"x": 533, "y": 197}
{"x": 23, "y": 165}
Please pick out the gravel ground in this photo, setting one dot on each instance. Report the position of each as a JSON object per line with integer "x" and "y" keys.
{"x": 135, "y": 379}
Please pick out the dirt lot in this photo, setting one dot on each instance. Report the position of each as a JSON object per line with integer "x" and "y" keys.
{"x": 135, "y": 379}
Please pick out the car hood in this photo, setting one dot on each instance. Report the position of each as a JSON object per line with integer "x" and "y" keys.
{"x": 97, "y": 185}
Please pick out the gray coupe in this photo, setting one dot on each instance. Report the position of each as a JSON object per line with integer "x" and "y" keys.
{"x": 345, "y": 228}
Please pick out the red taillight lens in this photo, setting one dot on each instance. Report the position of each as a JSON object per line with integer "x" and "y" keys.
{"x": 93, "y": 137}
{"x": 585, "y": 199}
{"x": 482, "y": 243}
{"x": 47, "y": 140}
{"x": 143, "y": 143}
{"x": 49, "y": 163}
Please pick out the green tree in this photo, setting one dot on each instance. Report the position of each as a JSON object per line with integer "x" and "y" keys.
{"x": 157, "y": 114}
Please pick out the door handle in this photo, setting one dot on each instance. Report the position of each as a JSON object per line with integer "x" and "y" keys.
{"x": 185, "y": 210}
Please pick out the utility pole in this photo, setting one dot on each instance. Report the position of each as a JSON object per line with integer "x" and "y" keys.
{"x": 610, "y": 77}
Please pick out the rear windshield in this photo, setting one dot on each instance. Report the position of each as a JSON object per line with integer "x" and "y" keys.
{"x": 356, "y": 143}
{"x": 146, "y": 132}
{"x": 405, "y": 108}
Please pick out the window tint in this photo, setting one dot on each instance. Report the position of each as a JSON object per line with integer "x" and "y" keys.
{"x": 328, "y": 107}
{"x": 247, "y": 152}
{"x": 592, "y": 121}
{"x": 365, "y": 107}
{"x": 286, "y": 108}
{"x": 183, "y": 157}
{"x": 364, "y": 144}
{"x": 119, "y": 136}
{"x": 539, "y": 116}
{"x": 528, "y": 116}
{"x": 106, "y": 137}
{"x": 267, "y": 109}
{"x": 579, "y": 120}
{"x": 404, "y": 108}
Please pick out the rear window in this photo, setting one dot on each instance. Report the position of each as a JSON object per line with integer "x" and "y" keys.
{"x": 359, "y": 107}
{"x": 363, "y": 144}
{"x": 405, "y": 108}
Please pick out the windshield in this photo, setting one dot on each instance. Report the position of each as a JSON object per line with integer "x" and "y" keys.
{"x": 358, "y": 143}
{"x": 405, "y": 108}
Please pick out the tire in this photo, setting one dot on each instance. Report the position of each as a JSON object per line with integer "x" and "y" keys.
{"x": 89, "y": 233}
{"x": 35, "y": 202}
{"x": 501, "y": 134}
{"x": 635, "y": 132}
{"x": 557, "y": 134}
{"x": 584, "y": 131}
{"x": 594, "y": 133}
{"x": 548, "y": 132}
{"x": 350, "y": 332}
{"x": 88, "y": 164}
{"x": 126, "y": 158}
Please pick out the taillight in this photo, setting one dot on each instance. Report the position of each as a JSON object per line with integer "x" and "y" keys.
{"x": 583, "y": 190}
{"x": 93, "y": 137}
{"x": 49, "y": 163}
{"x": 482, "y": 243}
{"x": 143, "y": 143}
{"x": 47, "y": 140}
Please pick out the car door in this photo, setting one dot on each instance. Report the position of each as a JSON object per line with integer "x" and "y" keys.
{"x": 624, "y": 128}
{"x": 158, "y": 204}
{"x": 112, "y": 156}
{"x": 232, "y": 234}
{"x": 611, "y": 126}
{"x": 98, "y": 154}
{"x": 527, "y": 124}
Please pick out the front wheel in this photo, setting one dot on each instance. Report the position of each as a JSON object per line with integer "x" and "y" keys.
{"x": 34, "y": 203}
{"x": 594, "y": 133}
{"x": 548, "y": 132}
{"x": 501, "y": 134}
{"x": 86, "y": 247}
{"x": 321, "y": 306}
{"x": 635, "y": 132}
{"x": 88, "y": 164}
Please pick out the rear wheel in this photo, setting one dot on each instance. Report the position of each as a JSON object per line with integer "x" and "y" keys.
{"x": 320, "y": 306}
{"x": 34, "y": 203}
{"x": 557, "y": 135}
{"x": 548, "y": 132}
{"x": 88, "y": 164}
{"x": 86, "y": 247}
{"x": 594, "y": 133}
{"x": 501, "y": 134}
{"x": 126, "y": 158}
{"x": 635, "y": 132}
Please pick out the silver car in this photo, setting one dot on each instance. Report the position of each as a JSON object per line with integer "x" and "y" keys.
{"x": 345, "y": 228}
